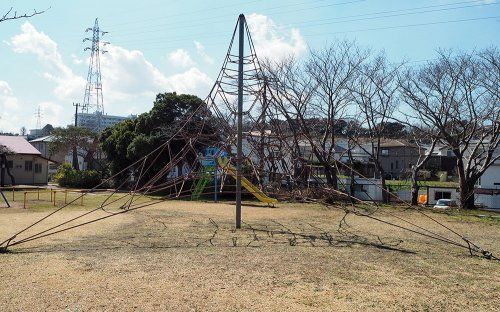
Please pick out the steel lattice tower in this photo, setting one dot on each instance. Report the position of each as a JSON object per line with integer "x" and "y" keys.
{"x": 93, "y": 98}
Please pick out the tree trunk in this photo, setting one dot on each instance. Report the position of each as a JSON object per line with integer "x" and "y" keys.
{"x": 385, "y": 194}
{"x": 414, "y": 187}
{"x": 331, "y": 176}
{"x": 75, "y": 159}
{"x": 352, "y": 183}
{"x": 2, "y": 173}
{"x": 466, "y": 187}
{"x": 467, "y": 195}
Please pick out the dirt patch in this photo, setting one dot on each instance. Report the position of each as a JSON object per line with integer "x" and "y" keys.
{"x": 186, "y": 256}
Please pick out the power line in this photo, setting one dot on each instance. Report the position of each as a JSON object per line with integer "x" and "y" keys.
{"x": 407, "y": 26}
{"x": 142, "y": 21}
{"x": 215, "y": 35}
{"x": 401, "y": 14}
{"x": 189, "y": 24}
{"x": 332, "y": 21}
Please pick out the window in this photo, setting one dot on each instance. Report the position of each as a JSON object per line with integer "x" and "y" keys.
{"x": 10, "y": 164}
{"x": 38, "y": 168}
{"x": 28, "y": 165}
{"x": 442, "y": 195}
{"x": 397, "y": 164}
{"x": 392, "y": 166}
{"x": 385, "y": 152}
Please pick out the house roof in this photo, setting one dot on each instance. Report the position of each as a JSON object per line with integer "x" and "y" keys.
{"x": 395, "y": 143}
{"x": 18, "y": 145}
{"x": 47, "y": 138}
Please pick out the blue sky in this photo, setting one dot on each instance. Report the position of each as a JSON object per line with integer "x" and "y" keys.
{"x": 175, "y": 45}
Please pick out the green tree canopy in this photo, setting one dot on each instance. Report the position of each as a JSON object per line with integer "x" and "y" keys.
{"x": 131, "y": 140}
{"x": 83, "y": 140}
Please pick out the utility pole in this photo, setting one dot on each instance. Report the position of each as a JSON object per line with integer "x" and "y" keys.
{"x": 76, "y": 105}
{"x": 239, "y": 155}
{"x": 75, "y": 155}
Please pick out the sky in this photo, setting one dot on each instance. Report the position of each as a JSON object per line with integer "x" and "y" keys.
{"x": 159, "y": 46}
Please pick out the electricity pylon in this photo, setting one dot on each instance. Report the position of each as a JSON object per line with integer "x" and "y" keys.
{"x": 38, "y": 116}
{"x": 93, "y": 98}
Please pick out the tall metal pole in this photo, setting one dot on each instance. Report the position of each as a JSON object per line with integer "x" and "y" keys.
{"x": 239, "y": 156}
{"x": 76, "y": 113}
{"x": 75, "y": 155}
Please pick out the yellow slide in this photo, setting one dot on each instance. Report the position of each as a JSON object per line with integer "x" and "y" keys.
{"x": 247, "y": 184}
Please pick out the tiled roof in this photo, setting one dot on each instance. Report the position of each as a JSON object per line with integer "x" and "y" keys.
{"x": 47, "y": 138}
{"x": 18, "y": 145}
{"x": 395, "y": 143}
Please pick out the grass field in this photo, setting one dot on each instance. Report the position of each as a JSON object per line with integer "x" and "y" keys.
{"x": 406, "y": 184}
{"x": 186, "y": 256}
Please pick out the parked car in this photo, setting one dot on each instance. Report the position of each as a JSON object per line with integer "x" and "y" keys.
{"x": 444, "y": 204}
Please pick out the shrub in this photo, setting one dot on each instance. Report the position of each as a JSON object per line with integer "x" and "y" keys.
{"x": 68, "y": 177}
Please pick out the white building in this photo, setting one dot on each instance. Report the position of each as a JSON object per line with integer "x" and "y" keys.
{"x": 98, "y": 121}
{"x": 365, "y": 189}
{"x": 488, "y": 190}
{"x": 24, "y": 162}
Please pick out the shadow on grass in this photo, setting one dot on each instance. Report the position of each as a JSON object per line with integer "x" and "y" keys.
{"x": 217, "y": 237}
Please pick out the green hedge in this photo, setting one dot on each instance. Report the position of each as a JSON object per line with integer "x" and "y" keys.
{"x": 68, "y": 177}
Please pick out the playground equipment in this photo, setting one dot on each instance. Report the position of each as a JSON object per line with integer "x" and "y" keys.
{"x": 38, "y": 194}
{"x": 5, "y": 199}
{"x": 252, "y": 188}
{"x": 256, "y": 109}
{"x": 209, "y": 170}
{"x": 211, "y": 162}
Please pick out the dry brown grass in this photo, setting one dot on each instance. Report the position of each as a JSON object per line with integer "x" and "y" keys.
{"x": 185, "y": 256}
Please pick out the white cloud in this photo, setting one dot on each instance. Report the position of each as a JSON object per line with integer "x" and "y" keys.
{"x": 14, "y": 115}
{"x": 76, "y": 60}
{"x": 180, "y": 58}
{"x": 68, "y": 85}
{"x": 128, "y": 76}
{"x": 51, "y": 112}
{"x": 130, "y": 81}
{"x": 200, "y": 49}
{"x": 5, "y": 88}
{"x": 272, "y": 41}
{"x": 10, "y": 119}
{"x": 190, "y": 81}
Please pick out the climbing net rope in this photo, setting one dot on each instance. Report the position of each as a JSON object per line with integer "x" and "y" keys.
{"x": 270, "y": 157}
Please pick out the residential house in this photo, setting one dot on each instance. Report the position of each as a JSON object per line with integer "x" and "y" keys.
{"x": 42, "y": 144}
{"x": 397, "y": 157}
{"x": 442, "y": 159}
{"x": 23, "y": 162}
{"x": 487, "y": 193}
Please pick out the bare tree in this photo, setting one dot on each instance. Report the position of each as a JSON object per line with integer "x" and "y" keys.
{"x": 291, "y": 91}
{"x": 458, "y": 96}
{"x": 314, "y": 97}
{"x": 9, "y": 15}
{"x": 375, "y": 95}
{"x": 420, "y": 139}
{"x": 333, "y": 70}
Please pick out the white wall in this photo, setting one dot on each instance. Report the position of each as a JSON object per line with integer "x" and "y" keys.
{"x": 491, "y": 177}
{"x": 366, "y": 189}
{"x": 488, "y": 201}
{"x": 22, "y": 176}
{"x": 455, "y": 194}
